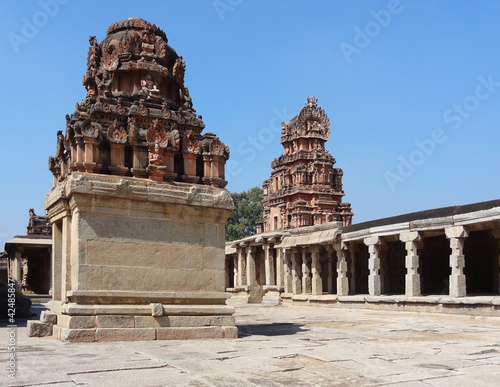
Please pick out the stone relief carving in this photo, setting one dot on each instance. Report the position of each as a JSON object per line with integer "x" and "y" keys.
{"x": 157, "y": 135}
{"x": 179, "y": 70}
{"x": 216, "y": 147}
{"x": 117, "y": 133}
{"x": 190, "y": 144}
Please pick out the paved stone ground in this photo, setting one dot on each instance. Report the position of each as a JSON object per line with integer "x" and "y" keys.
{"x": 279, "y": 346}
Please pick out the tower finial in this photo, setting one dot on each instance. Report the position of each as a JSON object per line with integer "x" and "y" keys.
{"x": 311, "y": 101}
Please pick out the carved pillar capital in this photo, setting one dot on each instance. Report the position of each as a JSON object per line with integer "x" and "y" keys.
{"x": 410, "y": 236}
{"x": 341, "y": 246}
{"x": 373, "y": 241}
{"x": 456, "y": 232}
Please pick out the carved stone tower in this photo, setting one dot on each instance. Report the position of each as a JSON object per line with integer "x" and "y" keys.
{"x": 138, "y": 206}
{"x": 138, "y": 118}
{"x": 304, "y": 189}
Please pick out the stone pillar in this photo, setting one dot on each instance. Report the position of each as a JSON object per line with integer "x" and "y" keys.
{"x": 170, "y": 173}
{"x": 317, "y": 284}
{"x": 24, "y": 277}
{"x": 80, "y": 154}
{"x": 56, "y": 261}
{"x": 296, "y": 283}
{"x": 235, "y": 270}
{"x": 457, "y": 236}
{"x": 279, "y": 267}
{"x": 496, "y": 235}
{"x": 69, "y": 261}
{"x": 51, "y": 280}
{"x": 251, "y": 281}
{"x": 342, "y": 281}
{"x": 140, "y": 161}
{"x": 17, "y": 272}
{"x": 226, "y": 272}
{"x": 288, "y": 271}
{"x": 117, "y": 156}
{"x": 260, "y": 262}
{"x": 207, "y": 167}
{"x": 351, "y": 253}
{"x": 215, "y": 166}
{"x": 330, "y": 250}
{"x": 374, "y": 247}
{"x": 306, "y": 273}
{"x": 269, "y": 265}
{"x": 89, "y": 163}
{"x": 242, "y": 277}
{"x": 190, "y": 168}
{"x": 411, "y": 240}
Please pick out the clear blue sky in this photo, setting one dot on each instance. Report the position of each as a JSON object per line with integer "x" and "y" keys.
{"x": 412, "y": 89}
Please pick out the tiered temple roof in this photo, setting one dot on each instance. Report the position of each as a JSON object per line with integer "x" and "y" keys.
{"x": 137, "y": 118}
{"x": 304, "y": 189}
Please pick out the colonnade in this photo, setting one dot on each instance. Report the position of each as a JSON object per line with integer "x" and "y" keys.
{"x": 425, "y": 261}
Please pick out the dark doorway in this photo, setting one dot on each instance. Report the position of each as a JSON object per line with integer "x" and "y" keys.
{"x": 38, "y": 280}
{"x": 230, "y": 272}
{"x": 435, "y": 265}
{"x": 481, "y": 263}
{"x": 361, "y": 271}
{"x": 394, "y": 269}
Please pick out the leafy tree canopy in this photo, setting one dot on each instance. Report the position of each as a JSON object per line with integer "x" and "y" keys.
{"x": 246, "y": 214}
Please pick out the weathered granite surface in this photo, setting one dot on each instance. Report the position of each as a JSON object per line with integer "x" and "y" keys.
{"x": 138, "y": 260}
{"x": 283, "y": 346}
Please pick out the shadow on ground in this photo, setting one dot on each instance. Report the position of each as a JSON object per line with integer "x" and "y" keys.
{"x": 274, "y": 329}
{"x": 21, "y": 322}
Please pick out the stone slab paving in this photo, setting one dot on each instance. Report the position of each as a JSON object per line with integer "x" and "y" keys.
{"x": 278, "y": 346}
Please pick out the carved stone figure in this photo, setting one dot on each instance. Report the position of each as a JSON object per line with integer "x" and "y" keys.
{"x": 187, "y": 102}
{"x": 179, "y": 70}
{"x": 117, "y": 133}
{"x": 156, "y": 155}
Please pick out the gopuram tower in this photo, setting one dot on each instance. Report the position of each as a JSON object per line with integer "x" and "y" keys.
{"x": 304, "y": 188}
{"x": 138, "y": 206}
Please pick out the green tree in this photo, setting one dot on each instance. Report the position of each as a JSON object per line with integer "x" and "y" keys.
{"x": 246, "y": 214}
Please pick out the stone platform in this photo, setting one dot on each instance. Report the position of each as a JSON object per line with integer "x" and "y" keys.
{"x": 474, "y": 306}
{"x": 137, "y": 260}
{"x": 295, "y": 346}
